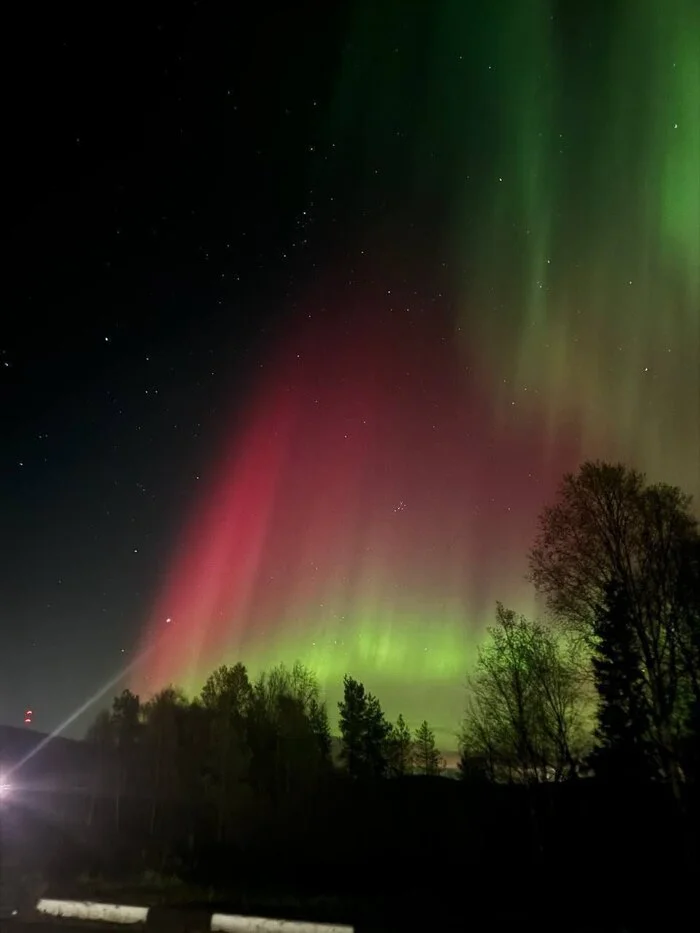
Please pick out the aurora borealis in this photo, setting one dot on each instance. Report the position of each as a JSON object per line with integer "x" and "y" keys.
{"x": 349, "y": 525}
{"x": 526, "y": 294}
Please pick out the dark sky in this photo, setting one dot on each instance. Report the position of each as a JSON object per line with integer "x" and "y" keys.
{"x": 155, "y": 194}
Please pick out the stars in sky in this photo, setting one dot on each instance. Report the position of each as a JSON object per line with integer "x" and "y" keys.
{"x": 192, "y": 215}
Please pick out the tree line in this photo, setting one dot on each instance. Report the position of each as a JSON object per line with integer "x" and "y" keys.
{"x": 240, "y": 739}
{"x": 605, "y": 685}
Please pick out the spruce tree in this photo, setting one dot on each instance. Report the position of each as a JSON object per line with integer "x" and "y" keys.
{"x": 623, "y": 716}
{"x": 401, "y": 748}
{"x": 426, "y": 757}
{"x": 320, "y": 728}
{"x": 364, "y": 730}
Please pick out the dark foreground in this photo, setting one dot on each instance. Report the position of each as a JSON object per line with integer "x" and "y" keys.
{"x": 64, "y": 926}
{"x": 388, "y": 926}
{"x": 546, "y": 925}
{"x": 400, "y": 856}
{"x": 546, "y": 916}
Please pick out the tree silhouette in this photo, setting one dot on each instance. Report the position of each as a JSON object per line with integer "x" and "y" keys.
{"x": 101, "y": 736}
{"x": 163, "y": 734}
{"x": 525, "y": 706}
{"x": 320, "y": 729}
{"x": 227, "y": 691}
{"x": 609, "y": 527}
{"x": 426, "y": 757}
{"x": 689, "y": 648}
{"x": 400, "y": 749}
{"x": 227, "y": 697}
{"x": 622, "y": 753}
{"x": 364, "y": 731}
{"x": 127, "y": 727}
{"x": 288, "y": 731}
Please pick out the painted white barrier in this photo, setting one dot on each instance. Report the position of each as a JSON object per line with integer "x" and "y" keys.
{"x": 220, "y": 923}
{"x": 92, "y": 910}
{"x": 231, "y": 923}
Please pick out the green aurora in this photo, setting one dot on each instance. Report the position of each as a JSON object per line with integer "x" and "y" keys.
{"x": 561, "y": 145}
{"x": 553, "y": 156}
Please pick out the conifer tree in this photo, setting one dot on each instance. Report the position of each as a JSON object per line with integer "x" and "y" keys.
{"x": 401, "y": 748}
{"x": 623, "y": 752}
{"x": 364, "y": 730}
{"x": 426, "y": 757}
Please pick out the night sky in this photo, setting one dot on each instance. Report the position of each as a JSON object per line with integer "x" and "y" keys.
{"x": 308, "y": 312}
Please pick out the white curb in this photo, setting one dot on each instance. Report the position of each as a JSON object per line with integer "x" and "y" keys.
{"x": 89, "y": 910}
{"x": 231, "y": 923}
{"x": 220, "y": 923}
